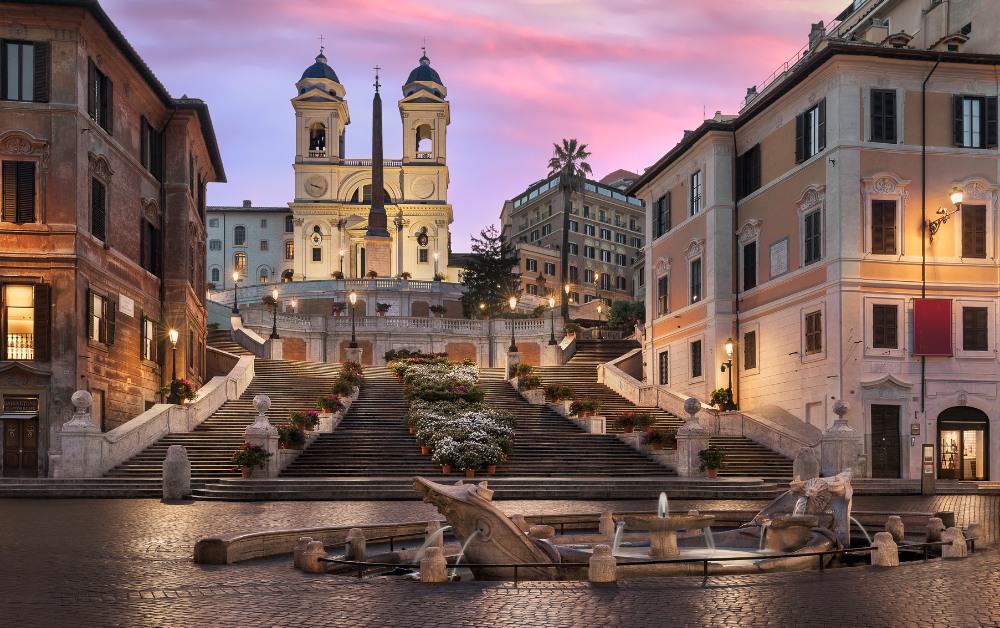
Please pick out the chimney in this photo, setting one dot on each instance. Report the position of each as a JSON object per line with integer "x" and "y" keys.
{"x": 816, "y": 34}
{"x": 247, "y": 203}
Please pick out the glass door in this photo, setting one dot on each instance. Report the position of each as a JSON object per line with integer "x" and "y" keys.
{"x": 950, "y": 454}
{"x": 963, "y": 452}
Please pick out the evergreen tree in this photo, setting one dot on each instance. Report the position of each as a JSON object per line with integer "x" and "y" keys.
{"x": 489, "y": 277}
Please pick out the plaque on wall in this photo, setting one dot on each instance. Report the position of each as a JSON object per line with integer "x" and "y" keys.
{"x": 126, "y": 305}
{"x": 779, "y": 258}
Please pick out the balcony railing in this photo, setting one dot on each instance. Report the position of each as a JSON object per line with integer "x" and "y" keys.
{"x": 317, "y": 153}
{"x": 387, "y": 163}
{"x": 425, "y": 155}
{"x": 20, "y": 346}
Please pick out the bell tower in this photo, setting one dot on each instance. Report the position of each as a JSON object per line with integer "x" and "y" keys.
{"x": 321, "y": 116}
{"x": 426, "y": 115}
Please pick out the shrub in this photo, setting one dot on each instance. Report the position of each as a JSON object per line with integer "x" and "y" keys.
{"x": 338, "y": 308}
{"x": 584, "y": 406}
{"x": 351, "y": 377}
{"x": 439, "y": 277}
{"x": 539, "y": 311}
{"x": 634, "y": 418}
{"x": 212, "y": 326}
{"x": 304, "y": 420}
{"x": 248, "y": 455}
{"x": 711, "y": 458}
{"x": 529, "y": 382}
{"x": 291, "y": 436}
{"x": 371, "y": 274}
{"x": 353, "y": 367}
{"x": 572, "y": 328}
{"x": 337, "y": 274}
{"x": 667, "y": 438}
{"x": 719, "y": 397}
{"x": 406, "y": 275}
{"x": 343, "y": 388}
{"x": 382, "y": 308}
{"x": 184, "y": 387}
{"x": 403, "y": 354}
{"x": 523, "y": 370}
{"x": 329, "y": 403}
{"x": 437, "y": 309}
{"x": 558, "y": 393}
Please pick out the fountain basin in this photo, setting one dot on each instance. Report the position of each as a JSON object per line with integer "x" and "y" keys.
{"x": 663, "y": 530}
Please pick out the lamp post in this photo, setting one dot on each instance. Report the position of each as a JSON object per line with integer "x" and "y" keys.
{"x": 482, "y": 311}
{"x": 600, "y": 308}
{"x": 513, "y": 307}
{"x": 294, "y": 303}
{"x": 274, "y": 309}
{"x": 552, "y": 320}
{"x": 174, "y": 394}
{"x": 956, "y": 197}
{"x": 236, "y": 285}
{"x": 353, "y": 298}
{"x": 341, "y": 261}
{"x": 436, "y": 264}
{"x": 727, "y": 366}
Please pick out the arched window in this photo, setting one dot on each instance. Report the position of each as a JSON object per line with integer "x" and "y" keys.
{"x": 424, "y": 142}
{"x": 215, "y": 275}
{"x": 317, "y": 140}
{"x": 240, "y": 262}
{"x": 240, "y": 235}
{"x": 263, "y": 274}
{"x": 364, "y": 195}
{"x": 286, "y": 277}
{"x": 289, "y": 249}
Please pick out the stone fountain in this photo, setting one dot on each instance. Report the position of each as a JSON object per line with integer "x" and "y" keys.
{"x": 663, "y": 530}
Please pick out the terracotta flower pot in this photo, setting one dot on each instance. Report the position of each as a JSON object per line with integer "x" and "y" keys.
{"x": 445, "y": 469}
{"x": 491, "y": 469}
{"x": 628, "y": 430}
{"x": 470, "y": 473}
{"x": 424, "y": 450}
{"x": 713, "y": 473}
{"x": 246, "y": 472}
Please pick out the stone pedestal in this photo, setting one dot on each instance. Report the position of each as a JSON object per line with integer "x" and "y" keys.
{"x": 957, "y": 548}
{"x": 594, "y": 424}
{"x": 603, "y": 566}
{"x": 805, "y": 466}
{"x": 842, "y": 445}
{"x": 433, "y": 566}
{"x": 432, "y": 533}
{"x": 513, "y": 359}
{"x": 663, "y": 544}
{"x": 81, "y": 442}
{"x": 378, "y": 255}
{"x": 894, "y": 526}
{"x": 353, "y": 354}
{"x": 561, "y": 407}
{"x": 300, "y": 548}
{"x": 262, "y": 433}
{"x": 692, "y": 437}
{"x": 176, "y": 474}
{"x": 273, "y": 348}
{"x": 312, "y": 558}
{"x": 534, "y": 396}
{"x": 357, "y": 546}
{"x": 935, "y": 528}
{"x": 541, "y": 531}
{"x": 887, "y": 554}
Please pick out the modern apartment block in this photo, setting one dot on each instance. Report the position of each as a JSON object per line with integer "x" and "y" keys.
{"x": 603, "y": 233}
{"x": 842, "y": 229}
{"x": 102, "y": 234}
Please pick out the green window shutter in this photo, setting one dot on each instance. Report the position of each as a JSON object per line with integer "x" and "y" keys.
{"x": 111, "y": 311}
{"x": 43, "y": 322}
{"x": 9, "y": 213}
{"x": 25, "y": 211}
{"x": 41, "y": 72}
{"x": 959, "y": 128}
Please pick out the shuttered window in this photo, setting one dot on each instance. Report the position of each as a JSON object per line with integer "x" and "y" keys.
{"x": 884, "y": 227}
{"x": 750, "y": 265}
{"x": 100, "y": 97}
{"x": 24, "y": 70}
{"x": 696, "y": 359}
{"x": 664, "y": 360}
{"x": 663, "y": 295}
{"x": 151, "y": 149}
{"x": 975, "y": 121}
{"x": 148, "y": 339}
{"x": 750, "y": 350}
{"x": 974, "y": 231}
{"x": 149, "y": 249}
{"x": 101, "y": 315}
{"x": 814, "y": 332}
{"x": 25, "y": 322}
{"x": 748, "y": 172}
{"x": 98, "y": 209}
{"x": 883, "y": 115}
{"x": 885, "y": 327}
{"x": 810, "y": 132}
{"x": 812, "y": 249}
{"x": 661, "y": 216}
{"x": 18, "y": 191}
{"x": 975, "y": 329}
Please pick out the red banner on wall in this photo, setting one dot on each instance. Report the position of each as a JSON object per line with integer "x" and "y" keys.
{"x": 932, "y": 327}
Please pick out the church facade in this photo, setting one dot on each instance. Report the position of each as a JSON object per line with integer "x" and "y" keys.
{"x": 334, "y": 196}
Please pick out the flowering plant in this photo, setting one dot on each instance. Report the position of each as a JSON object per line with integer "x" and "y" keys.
{"x": 329, "y": 403}
{"x": 250, "y": 456}
{"x": 184, "y": 389}
{"x": 304, "y": 420}
{"x": 290, "y": 436}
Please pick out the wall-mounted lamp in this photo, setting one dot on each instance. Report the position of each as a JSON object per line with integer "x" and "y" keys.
{"x": 956, "y": 197}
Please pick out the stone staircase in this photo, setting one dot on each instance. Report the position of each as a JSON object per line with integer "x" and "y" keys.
{"x": 291, "y": 385}
{"x": 744, "y": 457}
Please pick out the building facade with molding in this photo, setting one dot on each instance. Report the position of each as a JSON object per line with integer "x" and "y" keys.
{"x": 843, "y": 231}
{"x": 256, "y": 242}
{"x": 104, "y": 178}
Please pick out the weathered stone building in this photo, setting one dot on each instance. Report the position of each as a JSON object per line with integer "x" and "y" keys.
{"x": 102, "y": 229}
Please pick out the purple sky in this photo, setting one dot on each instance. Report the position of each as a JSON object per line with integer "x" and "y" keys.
{"x": 624, "y": 76}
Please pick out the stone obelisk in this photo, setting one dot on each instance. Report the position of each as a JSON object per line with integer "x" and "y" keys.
{"x": 378, "y": 245}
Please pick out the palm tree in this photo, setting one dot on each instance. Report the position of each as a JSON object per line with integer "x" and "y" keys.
{"x": 570, "y": 158}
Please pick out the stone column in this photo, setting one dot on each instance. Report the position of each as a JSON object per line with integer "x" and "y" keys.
{"x": 176, "y": 474}
{"x": 262, "y": 433}
{"x": 841, "y": 445}
{"x": 894, "y": 526}
{"x": 300, "y": 548}
{"x": 692, "y": 437}
{"x": 274, "y": 348}
{"x": 312, "y": 558}
{"x": 81, "y": 442}
{"x": 603, "y": 567}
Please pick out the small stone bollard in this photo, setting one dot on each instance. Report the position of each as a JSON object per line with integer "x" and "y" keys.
{"x": 520, "y": 522}
{"x": 176, "y": 474}
{"x": 957, "y": 549}
{"x": 433, "y": 527}
{"x": 541, "y": 532}
{"x": 894, "y": 526}
{"x": 357, "y": 547}
{"x": 603, "y": 566}
{"x": 975, "y": 532}
{"x": 433, "y": 566}
{"x": 934, "y": 529}
{"x": 312, "y": 558}
{"x": 887, "y": 554}
{"x": 606, "y": 525}
{"x": 300, "y": 548}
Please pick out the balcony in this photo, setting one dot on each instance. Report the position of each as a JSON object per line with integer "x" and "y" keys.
{"x": 20, "y": 347}
{"x": 423, "y": 154}
{"x": 317, "y": 154}
{"x": 386, "y": 163}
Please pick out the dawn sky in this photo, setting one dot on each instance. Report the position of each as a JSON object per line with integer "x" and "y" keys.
{"x": 624, "y": 76}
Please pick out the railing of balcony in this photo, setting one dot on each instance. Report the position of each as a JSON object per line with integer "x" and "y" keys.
{"x": 20, "y": 346}
{"x": 317, "y": 153}
{"x": 388, "y": 163}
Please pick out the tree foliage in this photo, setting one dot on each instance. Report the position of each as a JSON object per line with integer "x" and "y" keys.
{"x": 625, "y": 313}
{"x": 489, "y": 277}
{"x": 570, "y": 158}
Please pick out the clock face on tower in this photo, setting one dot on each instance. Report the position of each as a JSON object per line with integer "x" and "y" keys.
{"x": 316, "y": 186}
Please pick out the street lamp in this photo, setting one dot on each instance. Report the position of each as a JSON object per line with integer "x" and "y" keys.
{"x": 341, "y": 261}
{"x": 600, "y": 308}
{"x": 727, "y": 366}
{"x": 353, "y": 298}
{"x": 236, "y": 285}
{"x": 482, "y": 310}
{"x": 552, "y": 320}
{"x": 294, "y": 303}
{"x": 274, "y": 308}
{"x": 513, "y": 307}
{"x": 174, "y": 393}
{"x": 436, "y": 264}
{"x": 956, "y": 197}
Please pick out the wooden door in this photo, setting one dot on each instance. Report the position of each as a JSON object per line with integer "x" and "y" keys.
{"x": 885, "y": 441}
{"x": 20, "y": 447}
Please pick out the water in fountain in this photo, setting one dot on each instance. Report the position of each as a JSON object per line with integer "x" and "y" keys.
{"x": 863, "y": 531}
{"x": 662, "y": 507}
{"x": 454, "y": 571}
{"x": 709, "y": 540}
{"x": 431, "y": 539}
{"x": 763, "y": 534}
{"x": 616, "y": 541}
{"x": 800, "y": 506}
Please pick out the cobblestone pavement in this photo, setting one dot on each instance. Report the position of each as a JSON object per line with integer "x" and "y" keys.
{"x": 127, "y": 563}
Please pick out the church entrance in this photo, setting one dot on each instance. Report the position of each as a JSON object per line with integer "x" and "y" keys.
{"x": 963, "y": 444}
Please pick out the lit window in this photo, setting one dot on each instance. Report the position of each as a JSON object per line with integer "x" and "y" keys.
{"x": 19, "y": 315}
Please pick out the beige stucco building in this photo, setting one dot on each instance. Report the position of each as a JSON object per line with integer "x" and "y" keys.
{"x": 802, "y": 229}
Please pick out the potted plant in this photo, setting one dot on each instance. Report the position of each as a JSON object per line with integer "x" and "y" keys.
{"x": 661, "y": 439}
{"x": 337, "y": 274}
{"x": 584, "y": 407}
{"x": 329, "y": 403}
{"x": 529, "y": 382}
{"x": 338, "y": 308}
{"x": 371, "y": 274}
{"x": 438, "y": 276}
{"x": 248, "y": 457}
{"x": 523, "y": 369}
{"x": 406, "y": 275}
{"x": 304, "y": 420}
{"x": 447, "y": 454}
{"x": 382, "y": 308}
{"x": 438, "y": 309}
{"x": 720, "y": 396}
{"x": 556, "y": 394}
{"x": 184, "y": 389}
{"x": 290, "y": 437}
{"x": 712, "y": 460}
{"x": 343, "y": 388}
{"x": 572, "y": 328}
{"x": 643, "y": 420}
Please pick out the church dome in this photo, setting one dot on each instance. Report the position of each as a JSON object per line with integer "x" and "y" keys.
{"x": 425, "y": 73}
{"x": 320, "y": 70}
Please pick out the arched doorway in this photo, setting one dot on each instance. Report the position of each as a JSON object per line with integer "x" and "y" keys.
{"x": 286, "y": 276}
{"x": 963, "y": 444}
